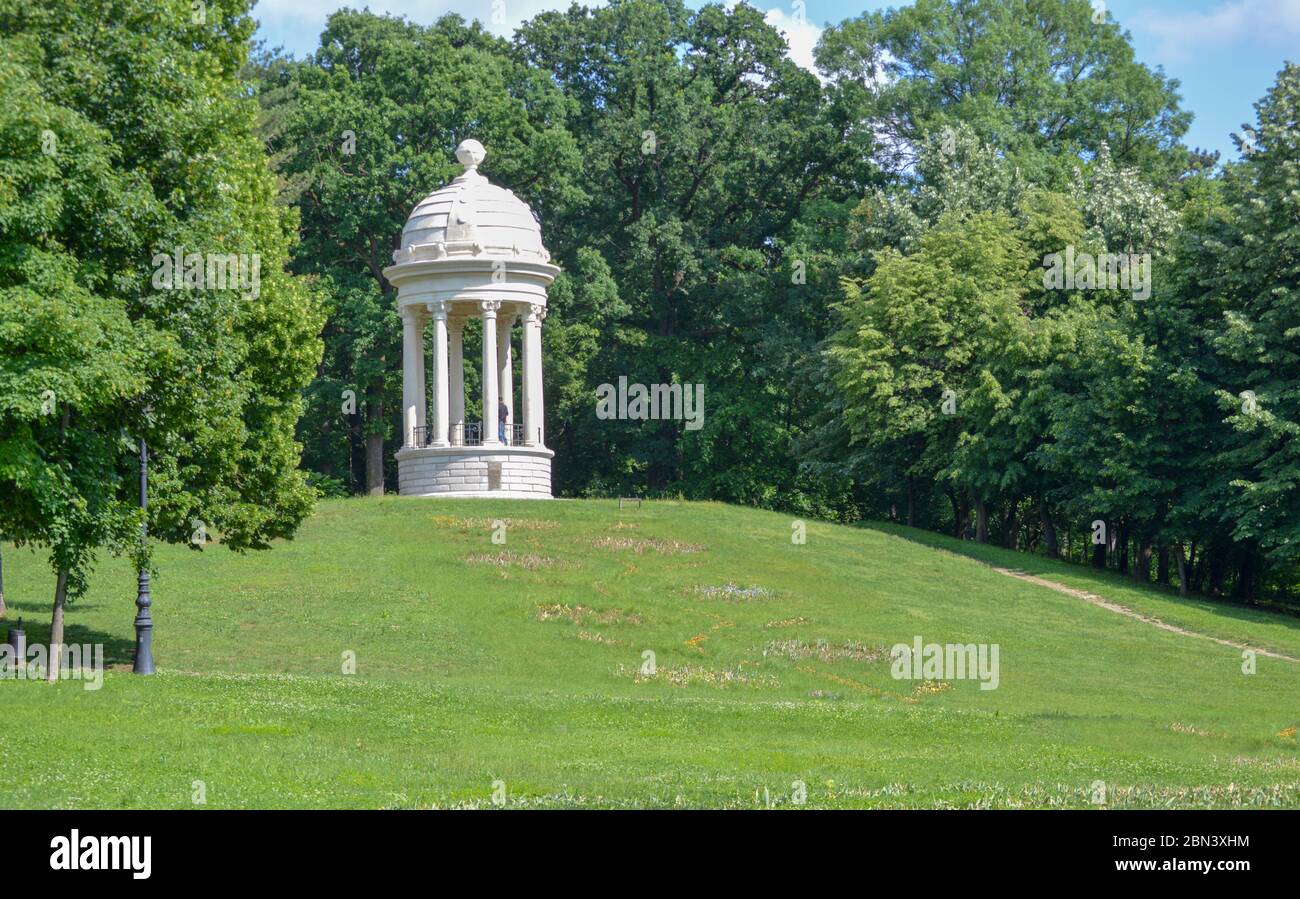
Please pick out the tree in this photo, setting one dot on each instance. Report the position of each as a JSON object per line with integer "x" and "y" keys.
{"x": 1040, "y": 80}
{"x": 1258, "y": 338}
{"x": 955, "y": 172}
{"x": 957, "y": 176}
{"x": 702, "y": 146}
{"x": 919, "y": 347}
{"x": 1105, "y": 445}
{"x": 129, "y": 143}
{"x": 1113, "y": 430}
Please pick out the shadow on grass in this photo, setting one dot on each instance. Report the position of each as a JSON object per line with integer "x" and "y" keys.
{"x": 35, "y": 617}
{"x": 1101, "y": 582}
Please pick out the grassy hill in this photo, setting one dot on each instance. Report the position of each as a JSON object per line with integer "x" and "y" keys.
{"x": 520, "y": 663}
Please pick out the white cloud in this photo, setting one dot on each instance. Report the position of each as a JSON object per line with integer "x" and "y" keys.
{"x": 800, "y": 34}
{"x": 1232, "y": 23}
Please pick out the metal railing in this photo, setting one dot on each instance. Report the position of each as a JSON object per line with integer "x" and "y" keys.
{"x": 466, "y": 434}
{"x": 470, "y": 433}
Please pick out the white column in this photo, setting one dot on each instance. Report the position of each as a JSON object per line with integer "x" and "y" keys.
{"x": 489, "y": 308}
{"x": 505, "y": 366}
{"x": 438, "y": 432}
{"x": 412, "y": 373}
{"x": 534, "y": 412}
{"x": 457, "y": 380}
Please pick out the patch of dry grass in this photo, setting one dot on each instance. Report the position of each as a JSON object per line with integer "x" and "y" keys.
{"x": 787, "y": 622}
{"x": 696, "y": 675}
{"x": 507, "y": 559}
{"x": 640, "y": 546}
{"x": 580, "y": 614}
{"x": 491, "y": 524}
{"x": 594, "y": 637}
{"x": 797, "y": 650}
{"x": 734, "y": 592}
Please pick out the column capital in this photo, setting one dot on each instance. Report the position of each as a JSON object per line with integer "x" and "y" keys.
{"x": 410, "y": 311}
{"x": 536, "y": 312}
{"x": 437, "y": 309}
{"x": 489, "y": 307}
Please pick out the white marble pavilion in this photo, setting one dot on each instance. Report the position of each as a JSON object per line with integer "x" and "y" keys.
{"x": 472, "y": 250}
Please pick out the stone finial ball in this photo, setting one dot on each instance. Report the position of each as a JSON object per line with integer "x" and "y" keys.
{"x": 470, "y": 153}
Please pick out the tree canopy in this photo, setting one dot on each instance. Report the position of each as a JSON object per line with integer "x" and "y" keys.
{"x": 130, "y": 145}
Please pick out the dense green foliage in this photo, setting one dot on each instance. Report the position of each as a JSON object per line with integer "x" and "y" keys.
{"x": 126, "y": 140}
{"x": 1046, "y": 81}
{"x": 1153, "y": 422}
{"x": 701, "y": 142}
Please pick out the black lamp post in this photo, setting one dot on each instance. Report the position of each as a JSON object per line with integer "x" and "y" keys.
{"x": 143, "y": 621}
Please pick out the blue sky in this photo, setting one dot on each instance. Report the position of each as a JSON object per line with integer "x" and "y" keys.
{"x": 1225, "y": 53}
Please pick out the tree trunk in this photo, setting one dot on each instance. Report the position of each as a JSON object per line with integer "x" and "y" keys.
{"x": 1217, "y": 566}
{"x": 374, "y": 464}
{"x": 1049, "y": 530}
{"x": 1099, "y": 552}
{"x": 981, "y": 521}
{"x": 1162, "y": 564}
{"x": 375, "y": 439}
{"x": 56, "y": 626}
{"x": 1180, "y": 557}
{"x": 1122, "y": 546}
{"x": 61, "y": 581}
{"x": 1245, "y": 576}
{"x": 1195, "y": 566}
{"x": 1009, "y": 526}
{"x": 356, "y": 454}
{"x": 1142, "y": 561}
{"x": 911, "y": 504}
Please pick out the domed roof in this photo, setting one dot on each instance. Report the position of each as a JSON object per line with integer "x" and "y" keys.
{"x": 471, "y": 216}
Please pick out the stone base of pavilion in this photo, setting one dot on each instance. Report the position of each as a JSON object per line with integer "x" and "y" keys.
{"x": 501, "y": 472}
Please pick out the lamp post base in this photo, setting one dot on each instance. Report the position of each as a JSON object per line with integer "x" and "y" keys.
{"x": 143, "y": 629}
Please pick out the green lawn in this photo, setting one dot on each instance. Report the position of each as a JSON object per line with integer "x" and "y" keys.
{"x": 519, "y": 663}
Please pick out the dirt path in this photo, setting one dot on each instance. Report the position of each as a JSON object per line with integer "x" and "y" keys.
{"x": 1124, "y": 610}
